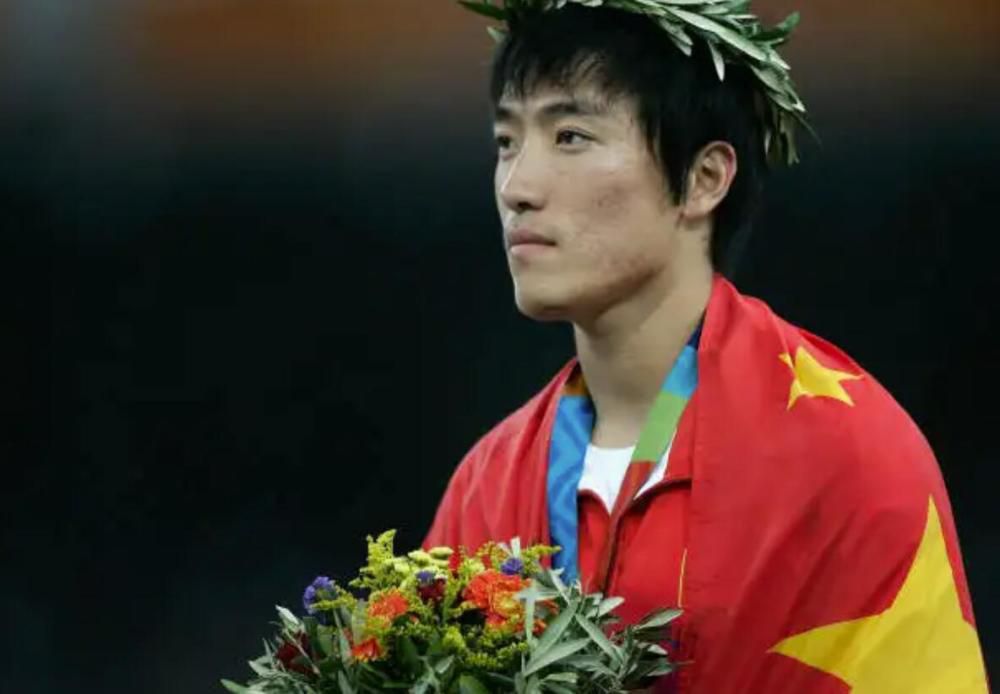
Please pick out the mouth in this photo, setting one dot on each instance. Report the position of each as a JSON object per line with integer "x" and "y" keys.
{"x": 526, "y": 237}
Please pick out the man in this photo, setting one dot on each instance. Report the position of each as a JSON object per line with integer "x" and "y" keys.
{"x": 700, "y": 451}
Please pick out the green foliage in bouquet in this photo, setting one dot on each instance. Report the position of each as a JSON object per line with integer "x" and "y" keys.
{"x": 448, "y": 621}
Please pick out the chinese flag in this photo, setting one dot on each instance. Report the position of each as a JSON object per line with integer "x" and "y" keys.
{"x": 822, "y": 556}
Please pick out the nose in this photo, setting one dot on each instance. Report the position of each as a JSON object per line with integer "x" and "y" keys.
{"x": 520, "y": 182}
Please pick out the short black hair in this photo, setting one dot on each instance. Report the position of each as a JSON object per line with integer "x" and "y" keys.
{"x": 682, "y": 104}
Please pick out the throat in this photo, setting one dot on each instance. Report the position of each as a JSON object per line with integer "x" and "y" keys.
{"x": 626, "y": 359}
{"x": 621, "y": 433}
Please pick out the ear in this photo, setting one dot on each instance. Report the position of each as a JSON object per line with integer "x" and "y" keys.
{"x": 711, "y": 174}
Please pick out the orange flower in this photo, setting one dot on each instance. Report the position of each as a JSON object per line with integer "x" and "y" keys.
{"x": 388, "y": 606}
{"x": 369, "y": 649}
{"x": 495, "y": 594}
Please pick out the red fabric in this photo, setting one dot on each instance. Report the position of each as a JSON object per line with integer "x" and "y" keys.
{"x": 652, "y": 540}
{"x": 795, "y": 518}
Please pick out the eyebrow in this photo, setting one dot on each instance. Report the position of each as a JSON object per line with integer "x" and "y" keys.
{"x": 554, "y": 109}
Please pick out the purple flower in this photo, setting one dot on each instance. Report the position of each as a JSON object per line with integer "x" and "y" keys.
{"x": 312, "y": 593}
{"x": 425, "y": 578}
{"x": 512, "y": 567}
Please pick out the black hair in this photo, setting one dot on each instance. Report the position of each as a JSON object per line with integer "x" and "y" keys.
{"x": 682, "y": 105}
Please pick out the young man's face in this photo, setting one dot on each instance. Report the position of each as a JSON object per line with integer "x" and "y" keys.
{"x": 587, "y": 217}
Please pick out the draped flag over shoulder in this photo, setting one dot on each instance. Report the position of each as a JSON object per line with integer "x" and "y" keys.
{"x": 822, "y": 555}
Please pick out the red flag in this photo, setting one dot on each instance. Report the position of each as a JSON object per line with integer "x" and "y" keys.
{"x": 821, "y": 554}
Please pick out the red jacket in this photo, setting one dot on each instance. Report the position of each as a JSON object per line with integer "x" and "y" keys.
{"x": 803, "y": 526}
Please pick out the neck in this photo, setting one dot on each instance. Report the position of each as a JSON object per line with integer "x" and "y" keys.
{"x": 627, "y": 351}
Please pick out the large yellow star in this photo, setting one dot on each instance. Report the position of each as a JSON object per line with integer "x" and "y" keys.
{"x": 814, "y": 380}
{"x": 919, "y": 645}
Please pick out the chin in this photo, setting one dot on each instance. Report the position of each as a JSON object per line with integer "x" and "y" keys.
{"x": 539, "y": 307}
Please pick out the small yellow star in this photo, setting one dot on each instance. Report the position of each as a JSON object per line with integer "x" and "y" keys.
{"x": 920, "y": 645}
{"x": 814, "y": 380}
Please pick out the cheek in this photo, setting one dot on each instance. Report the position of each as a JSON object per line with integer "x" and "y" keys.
{"x": 497, "y": 182}
{"x": 621, "y": 193}
{"x": 622, "y": 239}
{"x": 619, "y": 220}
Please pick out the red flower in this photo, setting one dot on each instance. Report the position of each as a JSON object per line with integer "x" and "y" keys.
{"x": 455, "y": 561}
{"x": 388, "y": 606}
{"x": 290, "y": 657}
{"x": 551, "y": 605}
{"x": 496, "y": 594}
{"x": 369, "y": 649}
{"x": 433, "y": 591}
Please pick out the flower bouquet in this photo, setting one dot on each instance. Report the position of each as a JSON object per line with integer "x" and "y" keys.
{"x": 447, "y": 620}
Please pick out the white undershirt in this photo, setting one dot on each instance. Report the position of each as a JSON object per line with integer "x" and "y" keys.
{"x": 605, "y": 468}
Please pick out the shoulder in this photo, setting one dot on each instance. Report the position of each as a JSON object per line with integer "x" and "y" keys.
{"x": 515, "y": 435}
{"x": 498, "y": 490}
{"x": 834, "y": 410}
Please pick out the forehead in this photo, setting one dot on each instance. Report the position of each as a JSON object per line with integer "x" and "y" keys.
{"x": 551, "y": 100}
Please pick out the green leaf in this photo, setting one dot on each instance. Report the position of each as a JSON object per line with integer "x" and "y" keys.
{"x": 260, "y": 667}
{"x": 655, "y": 649}
{"x": 658, "y": 619}
{"x": 408, "y": 656}
{"x": 555, "y": 630}
{"x": 344, "y": 684}
{"x": 720, "y": 64}
{"x": 790, "y": 22}
{"x": 774, "y": 58}
{"x": 788, "y": 101}
{"x": 724, "y": 33}
{"x": 498, "y": 35}
{"x": 770, "y": 77}
{"x": 557, "y": 582}
{"x": 609, "y": 604}
{"x": 442, "y": 665}
{"x": 485, "y": 9}
{"x": 324, "y": 641}
{"x": 328, "y": 667}
{"x": 588, "y": 662}
{"x": 344, "y": 644}
{"x": 235, "y": 688}
{"x": 661, "y": 670}
{"x": 684, "y": 43}
{"x": 592, "y": 664}
{"x": 601, "y": 639}
{"x": 555, "y": 654}
{"x": 288, "y": 620}
{"x": 467, "y": 684}
{"x": 529, "y": 596}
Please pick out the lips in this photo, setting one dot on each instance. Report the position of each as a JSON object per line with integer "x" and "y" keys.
{"x": 522, "y": 237}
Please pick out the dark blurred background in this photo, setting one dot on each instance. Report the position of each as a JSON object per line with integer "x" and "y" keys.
{"x": 254, "y": 304}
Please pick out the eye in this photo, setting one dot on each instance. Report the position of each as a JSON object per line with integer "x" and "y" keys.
{"x": 570, "y": 137}
{"x": 503, "y": 142}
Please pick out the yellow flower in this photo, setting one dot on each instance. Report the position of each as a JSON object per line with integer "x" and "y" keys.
{"x": 453, "y": 639}
{"x": 441, "y": 552}
{"x": 420, "y": 557}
